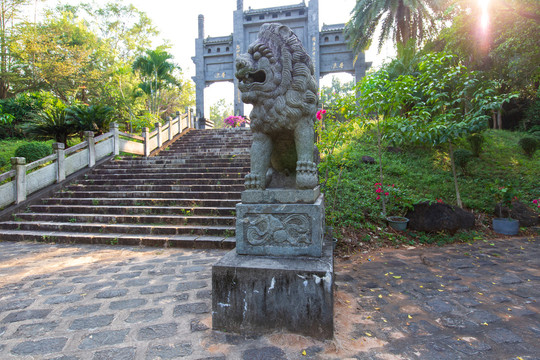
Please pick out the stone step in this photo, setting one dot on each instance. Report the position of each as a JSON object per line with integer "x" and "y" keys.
{"x": 195, "y": 195}
{"x": 142, "y": 202}
{"x": 158, "y": 187}
{"x": 110, "y": 209}
{"x": 166, "y": 175}
{"x": 214, "y": 230}
{"x": 176, "y": 166}
{"x": 184, "y": 241}
{"x": 131, "y": 181}
{"x": 139, "y": 219}
{"x": 175, "y": 170}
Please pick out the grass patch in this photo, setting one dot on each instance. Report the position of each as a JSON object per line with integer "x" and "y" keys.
{"x": 421, "y": 174}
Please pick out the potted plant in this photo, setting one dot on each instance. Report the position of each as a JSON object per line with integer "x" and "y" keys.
{"x": 395, "y": 203}
{"x": 504, "y": 196}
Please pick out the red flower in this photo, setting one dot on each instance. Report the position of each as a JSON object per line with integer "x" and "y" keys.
{"x": 320, "y": 113}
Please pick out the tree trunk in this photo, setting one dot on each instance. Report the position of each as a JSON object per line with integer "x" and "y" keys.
{"x": 458, "y": 196}
{"x": 499, "y": 119}
{"x": 381, "y": 175}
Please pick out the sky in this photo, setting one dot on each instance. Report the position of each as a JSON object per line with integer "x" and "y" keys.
{"x": 177, "y": 20}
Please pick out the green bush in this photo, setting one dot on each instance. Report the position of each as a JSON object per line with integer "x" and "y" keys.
{"x": 33, "y": 151}
{"x": 476, "y": 141}
{"x": 529, "y": 144}
{"x": 462, "y": 157}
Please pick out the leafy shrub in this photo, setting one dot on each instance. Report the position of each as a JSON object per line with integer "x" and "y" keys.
{"x": 462, "y": 157}
{"x": 476, "y": 141}
{"x": 529, "y": 144}
{"x": 535, "y": 131}
{"x": 33, "y": 151}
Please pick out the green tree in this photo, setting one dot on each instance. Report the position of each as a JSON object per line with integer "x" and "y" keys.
{"x": 156, "y": 72}
{"x": 219, "y": 111}
{"x": 399, "y": 20}
{"x": 9, "y": 13}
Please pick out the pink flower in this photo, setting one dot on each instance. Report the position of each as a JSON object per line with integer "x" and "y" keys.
{"x": 320, "y": 113}
{"x": 535, "y": 201}
{"x": 386, "y": 193}
{"x": 378, "y": 197}
{"x": 378, "y": 191}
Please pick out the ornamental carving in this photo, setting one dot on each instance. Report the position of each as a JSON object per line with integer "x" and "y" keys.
{"x": 278, "y": 230}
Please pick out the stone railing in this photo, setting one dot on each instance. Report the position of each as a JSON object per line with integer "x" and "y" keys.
{"x": 64, "y": 162}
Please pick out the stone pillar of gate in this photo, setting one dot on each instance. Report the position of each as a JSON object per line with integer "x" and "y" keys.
{"x": 199, "y": 78}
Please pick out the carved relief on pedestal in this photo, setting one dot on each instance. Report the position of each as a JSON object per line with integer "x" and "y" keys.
{"x": 267, "y": 229}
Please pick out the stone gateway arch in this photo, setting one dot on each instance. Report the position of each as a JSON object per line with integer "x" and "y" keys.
{"x": 215, "y": 56}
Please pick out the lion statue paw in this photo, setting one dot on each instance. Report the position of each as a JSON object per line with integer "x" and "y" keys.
{"x": 254, "y": 182}
{"x": 306, "y": 175}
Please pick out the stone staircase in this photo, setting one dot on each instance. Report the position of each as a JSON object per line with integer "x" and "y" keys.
{"x": 183, "y": 197}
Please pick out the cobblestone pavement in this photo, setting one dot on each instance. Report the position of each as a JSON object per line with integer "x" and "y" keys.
{"x": 465, "y": 301}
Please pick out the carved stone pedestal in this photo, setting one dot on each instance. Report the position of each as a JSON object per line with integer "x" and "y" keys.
{"x": 262, "y": 294}
{"x": 281, "y": 229}
{"x": 281, "y": 274}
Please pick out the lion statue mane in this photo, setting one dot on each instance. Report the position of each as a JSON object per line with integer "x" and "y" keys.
{"x": 277, "y": 77}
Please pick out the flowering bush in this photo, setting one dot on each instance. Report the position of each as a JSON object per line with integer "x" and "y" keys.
{"x": 504, "y": 196}
{"x": 235, "y": 121}
{"x": 320, "y": 114}
{"x": 537, "y": 203}
{"x": 396, "y": 200}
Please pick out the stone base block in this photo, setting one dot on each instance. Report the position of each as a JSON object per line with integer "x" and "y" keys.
{"x": 256, "y": 295}
{"x": 281, "y": 196}
{"x": 280, "y": 229}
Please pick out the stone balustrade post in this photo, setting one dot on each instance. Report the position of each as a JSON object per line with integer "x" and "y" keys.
{"x": 116, "y": 138}
{"x": 179, "y": 122}
{"x": 19, "y": 164}
{"x": 170, "y": 131}
{"x": 158, "y": 129}
{"x": 60, "y": 161}
{"x": 89, "y": 135}
{"x": 146, "y": 135}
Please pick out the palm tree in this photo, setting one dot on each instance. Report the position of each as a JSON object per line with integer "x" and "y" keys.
{"x": 50, "y": 124}
{"x": 90, "y": 118}
{"x": 156, "y": 72}
{"x": 399, "y": 19}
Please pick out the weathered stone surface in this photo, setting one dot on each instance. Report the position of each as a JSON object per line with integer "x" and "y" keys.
{"x": 196, "y": 325}
{"x": 297, "y": 293}
{"x": 127, "y": 353}
{"x": 169, "y": 352}
{"x": 40, "y": 347}
{"x": 62, "y": 299}
{"x": 502, "y": 335}
{"x": 265, "y": 353}
{"x": 103, "y": 338}
{"x": 57, "y": 290}
{"x": 111, "y": 293}
{"x": 283, "y": 114}
{"x": 127, "y": 304}
{"x": 190, "y": 285}
{"x": 158, "y": 331}
{"x": 192, "y": 308}
{"x": 281, "y": 196}
{"x": 16, "y": 305}
{"x": 438, "y": 217}
{"x": 91, "y": 322}
{"x": 280, "y": 230}
{"x": 144, "y": 315}
{"x": 26, "y": 315}
{"x": 81, "y": 310}
{"x": 154, "y": 289}
{"x": 34, "y": 330}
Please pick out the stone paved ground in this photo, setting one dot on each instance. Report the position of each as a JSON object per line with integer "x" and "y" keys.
{"x": 462, "y": 301}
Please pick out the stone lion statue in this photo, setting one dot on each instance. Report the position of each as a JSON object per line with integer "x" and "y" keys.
{"x": 276, "y": 76}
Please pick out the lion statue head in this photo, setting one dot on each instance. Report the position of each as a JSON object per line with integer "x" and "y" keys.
{"x": 276, "y": 76}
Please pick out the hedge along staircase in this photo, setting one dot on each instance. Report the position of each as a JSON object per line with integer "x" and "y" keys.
{"x": 183, "y": 197}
